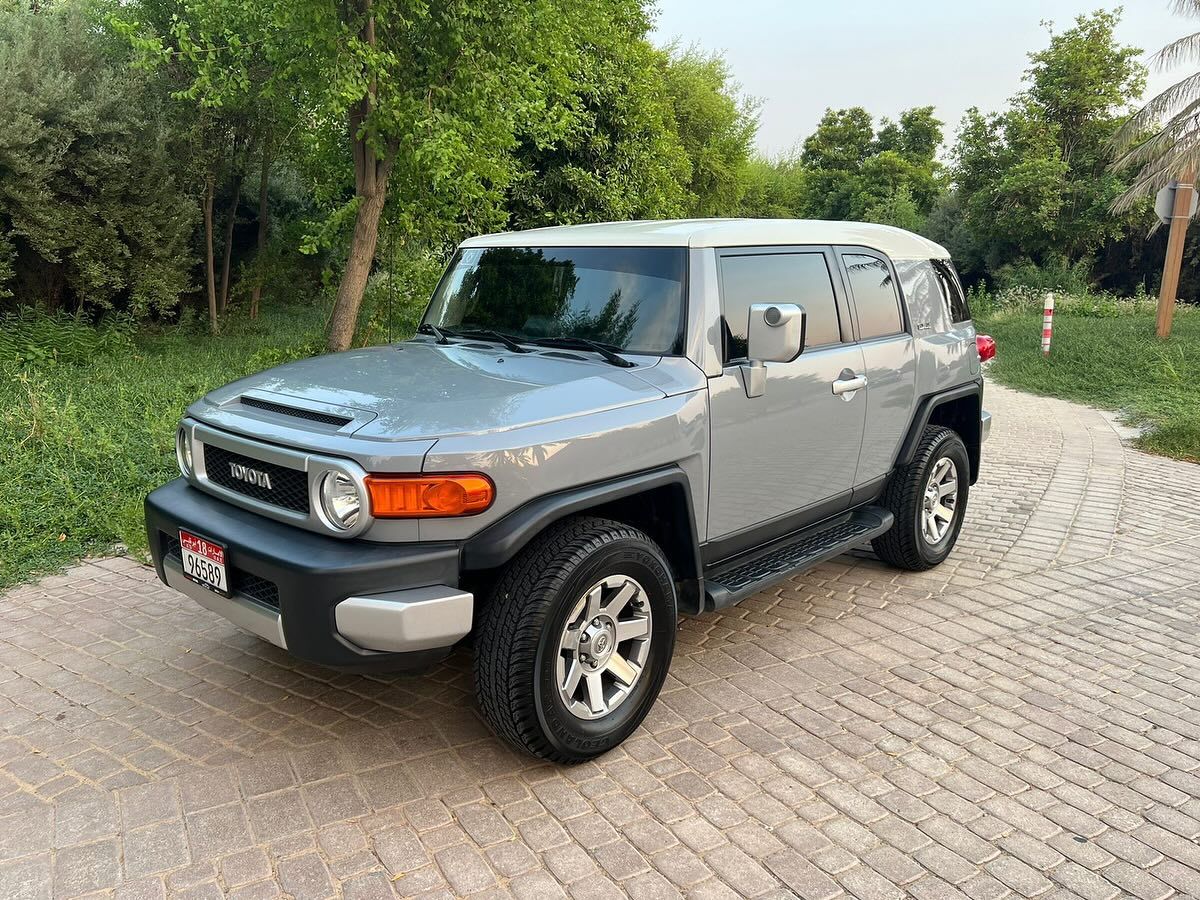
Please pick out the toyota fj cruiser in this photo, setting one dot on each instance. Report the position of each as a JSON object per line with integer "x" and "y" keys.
{"x": 595, "y": 429}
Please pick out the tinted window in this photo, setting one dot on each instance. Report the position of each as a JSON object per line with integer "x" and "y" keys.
{"x": 875, "y": 298}
{"x": 956, "y": 303}
{"x": 801, "y": 278}
{"x": 628, "y": 297}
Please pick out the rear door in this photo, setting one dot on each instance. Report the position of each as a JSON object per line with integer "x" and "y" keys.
{"x": 889, "y": 356}
{"x": 790, "y": 454}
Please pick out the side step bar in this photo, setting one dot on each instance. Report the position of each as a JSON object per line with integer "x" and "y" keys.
{"x": 734, "y": 580}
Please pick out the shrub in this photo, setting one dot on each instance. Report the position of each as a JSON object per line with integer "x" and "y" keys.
{"x": 33, "y": 338}
{"x": 91, "y": 215}
{"x": 1056, "y": 275}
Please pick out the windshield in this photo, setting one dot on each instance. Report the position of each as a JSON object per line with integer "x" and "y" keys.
{"x": 630, "y": 298}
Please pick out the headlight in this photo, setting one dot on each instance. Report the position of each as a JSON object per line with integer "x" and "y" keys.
{"x": 183, "y": 452}
{"x": 340, "y": 500}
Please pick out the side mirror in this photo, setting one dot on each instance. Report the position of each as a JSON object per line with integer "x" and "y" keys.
{"x": 776, "y": 332}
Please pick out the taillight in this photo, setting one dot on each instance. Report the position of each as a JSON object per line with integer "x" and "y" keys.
{"x": 986, "y": 344}
{"x": 421, "y": 496}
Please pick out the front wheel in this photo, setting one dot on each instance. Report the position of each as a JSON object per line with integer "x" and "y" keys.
{"x": 928, "y": 497}
{"x": 573, "y": 646}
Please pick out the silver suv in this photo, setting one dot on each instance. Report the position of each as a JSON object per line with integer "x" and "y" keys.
{"x": 596, "y": 429}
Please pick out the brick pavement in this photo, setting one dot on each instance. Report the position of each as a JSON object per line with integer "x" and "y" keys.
{"x": 1023, "y": 721}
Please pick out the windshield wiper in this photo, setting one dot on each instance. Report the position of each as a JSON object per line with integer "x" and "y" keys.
{"x": 429, "y": 328}
{"x": 578, "y": 343}
{"x": 443, "y": 335}
{"x": 489, "y": 334}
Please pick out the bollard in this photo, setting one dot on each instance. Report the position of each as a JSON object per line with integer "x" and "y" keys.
{"x": 1047, "y": 325}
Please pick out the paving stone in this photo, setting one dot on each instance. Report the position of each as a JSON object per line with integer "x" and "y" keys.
{"x": 85, "y": 868}
{"x": 465, "y": 869}
{"x": 305, "y": 876}
{"x": 155, "y": 848}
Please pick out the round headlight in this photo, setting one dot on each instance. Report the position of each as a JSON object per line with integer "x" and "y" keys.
{"x": 340, "y": 500}
{"x": 183, "y": 452}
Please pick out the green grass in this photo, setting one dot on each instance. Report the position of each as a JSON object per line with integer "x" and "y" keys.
{"x": 1113, "y": 362}
{"x": 86, "y": 433}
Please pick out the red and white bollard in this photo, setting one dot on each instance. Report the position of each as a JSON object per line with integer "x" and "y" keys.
{"x": 1047, "y": 325}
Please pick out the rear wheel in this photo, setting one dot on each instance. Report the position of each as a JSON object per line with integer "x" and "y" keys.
{"x": 575, "y": 642}
{"x": 928, "y": 497}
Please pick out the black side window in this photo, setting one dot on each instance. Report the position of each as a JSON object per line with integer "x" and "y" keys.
{"x": 875, "y": 297}
{"x": 956, "y": 303}
{"x": 777, "y": 278}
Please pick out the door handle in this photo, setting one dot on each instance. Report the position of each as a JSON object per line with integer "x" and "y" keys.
{"x": 847, "y": 387}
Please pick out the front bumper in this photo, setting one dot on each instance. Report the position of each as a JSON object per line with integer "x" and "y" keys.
{"x": 343, "y": 603}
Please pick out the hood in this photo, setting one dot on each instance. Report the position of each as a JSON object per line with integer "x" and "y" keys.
{"x": 416, "y": 390}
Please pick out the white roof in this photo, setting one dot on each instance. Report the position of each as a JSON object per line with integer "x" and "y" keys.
{"x": 895, "y": 242}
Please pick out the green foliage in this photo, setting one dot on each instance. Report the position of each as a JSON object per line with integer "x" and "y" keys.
{"x": 1033, "y": 181}
{"x": 1056, "y": 274}
{"x": 32, "y": 338}
{"x": 618, "y": 154}
{"x": 84, "y": 442}
{"x": 91, "y": 212}
{"x": 774, "y": 188}
{"x": 848, "y": 171}
{"x": 1110, "y": 360}
{"x": 716, "y": 129}
{"x": 650, "y": 134}
{"x": 398, "y": 293}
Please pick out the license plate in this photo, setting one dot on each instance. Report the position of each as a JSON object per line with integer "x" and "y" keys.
{"x": 204, "y": 562}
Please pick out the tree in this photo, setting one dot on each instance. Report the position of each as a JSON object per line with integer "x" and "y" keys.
{"x": 916, "y": 136}
{"x": 216, "y": 130}
{"x": 1162, "y": 139}
{"x": 716, "y": 127}
{"x": 774, "y": 188}
{"x": 850, "y": 172}
{"x": 618, "y": 154}
{"x": 91, "y": 212}
{"x": 1033, "y": 181}
{"x": 429, "y": 98}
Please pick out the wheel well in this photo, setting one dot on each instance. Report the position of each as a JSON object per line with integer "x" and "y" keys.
{"x": 665, "y": 515}
{"x": 962, "y": 416}
{"x": 663, "y": 512}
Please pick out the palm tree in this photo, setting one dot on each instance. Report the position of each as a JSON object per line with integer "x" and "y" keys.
{"x": 1162, "y": 139}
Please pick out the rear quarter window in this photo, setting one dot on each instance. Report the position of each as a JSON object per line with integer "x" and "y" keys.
{"x": 952, "y": 292}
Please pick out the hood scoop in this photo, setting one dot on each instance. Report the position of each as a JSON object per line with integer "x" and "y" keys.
{"x": 311, "y": 415}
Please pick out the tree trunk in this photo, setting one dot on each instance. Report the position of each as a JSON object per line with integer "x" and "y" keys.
{"x": 264, "y": 210}
{"x": 209, "y": 264}
{"x": 358, "y": 266}
{"x": 227, "y": 259}
{"x": 370, "y": 185}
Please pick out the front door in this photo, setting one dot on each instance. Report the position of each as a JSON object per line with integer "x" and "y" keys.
{"x": 790, "y": 454}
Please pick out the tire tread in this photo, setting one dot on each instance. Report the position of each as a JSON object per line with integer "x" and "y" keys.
{"x": 903, "y": 495}
{"x": 510, "y": 626}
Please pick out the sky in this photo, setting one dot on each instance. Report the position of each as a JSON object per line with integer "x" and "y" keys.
{"x": 802, "y": 56}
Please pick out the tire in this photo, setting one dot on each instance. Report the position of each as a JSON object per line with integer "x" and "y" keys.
{"x": 907, "y": 544}
{"x": 533, "y": 608}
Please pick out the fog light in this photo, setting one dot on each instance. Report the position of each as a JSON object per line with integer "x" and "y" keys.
{"x": 340, "y": 500}
{"x": 183, "y": 452}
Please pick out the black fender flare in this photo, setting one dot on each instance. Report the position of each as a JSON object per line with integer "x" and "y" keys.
{"x": 925, "y": 409}
{"x": 499, "y": 542}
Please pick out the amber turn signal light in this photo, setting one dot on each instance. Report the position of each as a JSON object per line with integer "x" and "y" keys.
{"x": 422, "y": 496}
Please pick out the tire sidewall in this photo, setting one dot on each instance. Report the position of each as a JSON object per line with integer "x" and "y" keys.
{"x": 950, "y": 446}
{"x": 583, "y": 738}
